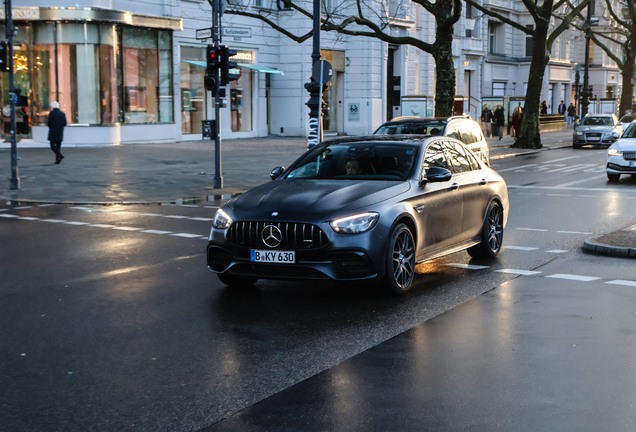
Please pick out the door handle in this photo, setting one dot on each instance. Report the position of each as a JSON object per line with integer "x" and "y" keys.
{"x": 454, "y": 186}
{"x": 419, "y": 208}
{"x": 483, "y": 182}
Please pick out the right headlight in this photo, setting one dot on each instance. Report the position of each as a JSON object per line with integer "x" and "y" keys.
{"x": 355, "y": 224}
{"x": 579, "y": 133}
{"x": 221, "y": 220}
{"x": 614, "y": 152}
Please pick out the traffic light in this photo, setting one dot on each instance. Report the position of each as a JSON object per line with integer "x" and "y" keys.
{"x": 4, "y": 57}
{"x": 227, "y": 64}
{"x": 210, "y": 83}
{"x": 213, "y": 60}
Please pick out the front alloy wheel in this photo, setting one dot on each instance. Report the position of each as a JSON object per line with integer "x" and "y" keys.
{"x": 491, "y": 234}
{"x": 400, "y": 265}
{"x": 613, "y": 177}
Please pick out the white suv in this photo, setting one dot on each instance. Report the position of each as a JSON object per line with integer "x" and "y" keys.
{"x": 463, "y": 128}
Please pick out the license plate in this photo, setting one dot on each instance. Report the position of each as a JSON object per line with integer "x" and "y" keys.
{"x": 593, "y": 138}
{"x": 279, "y": 257}
{"x": 632, "y": 164}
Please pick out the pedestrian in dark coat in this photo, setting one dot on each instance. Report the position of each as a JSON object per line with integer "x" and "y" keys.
{"x": 499, "y": 118}
{"x": 56, "y": 123}
{"x": 544, "y": 107}
{"x": 486, "y": 120}
{"x": 571, "y": 113}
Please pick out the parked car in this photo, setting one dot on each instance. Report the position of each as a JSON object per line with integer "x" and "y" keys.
{"x": 366, "y": 209}
{"x": 627, "y": 118}
{"x": 621, "y": 156}
{"x": 597, "y": 129}
{"x": 462, "y": 128}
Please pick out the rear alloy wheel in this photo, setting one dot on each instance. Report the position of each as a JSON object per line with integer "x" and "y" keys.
{"x": 400, "y": 260}
{"x": 491, "y": 234}
{"x": 236, "y": 280}
{"x": 613, "y": 177}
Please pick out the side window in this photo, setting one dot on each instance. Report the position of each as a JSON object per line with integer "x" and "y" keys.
{"x": 476, "y": 132}
{"x": 453, "y": 131}
{"x": 434, "y": 157}
{"x": 473, "y": 161}
{"x": 467, "y": 133}
{"x": 457, "y": 156}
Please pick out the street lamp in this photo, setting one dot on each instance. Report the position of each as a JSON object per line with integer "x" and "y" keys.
{"x": 586, "y": 93}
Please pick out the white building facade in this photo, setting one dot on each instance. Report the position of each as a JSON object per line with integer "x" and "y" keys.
{"x": 130, "y": 71}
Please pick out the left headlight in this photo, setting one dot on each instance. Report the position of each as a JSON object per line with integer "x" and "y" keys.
{"x": 614, "y": 152}
{"x": 579, "y": 132}
{"x": 221, "y": 220}
{"x": 355, "y": 224}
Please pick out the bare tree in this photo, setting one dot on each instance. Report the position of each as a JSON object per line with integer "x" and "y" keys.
{"x": 543, "y": 36}
{"x": 620, "y": 17}
{"x": 372, "y": 18}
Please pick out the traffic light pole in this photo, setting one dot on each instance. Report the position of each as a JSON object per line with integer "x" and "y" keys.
{"x": 216, "y": 38}
{"x": 15, "y": 181}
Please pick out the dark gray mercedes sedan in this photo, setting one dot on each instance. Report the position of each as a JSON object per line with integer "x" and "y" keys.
{"x": 364, "y": 208}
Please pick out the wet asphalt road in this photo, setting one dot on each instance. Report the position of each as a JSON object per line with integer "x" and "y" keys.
{"x": 111, "y": 320}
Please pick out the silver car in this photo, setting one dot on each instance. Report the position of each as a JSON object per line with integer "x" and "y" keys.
{"x": 597, "y": 129}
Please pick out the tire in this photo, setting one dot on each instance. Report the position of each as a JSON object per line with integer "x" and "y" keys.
{"x": 236, "y": 280}
{"x": 491, "y": 234}
{"x": 400, "y": 260}
{"x": 613, "y": 177}
{"x": 577, "y": 146}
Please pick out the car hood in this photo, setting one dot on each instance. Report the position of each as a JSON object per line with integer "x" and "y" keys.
{"x": 293, "y": 197}
{"x": 596, "y": 128}
{"x": 625, "y": 144}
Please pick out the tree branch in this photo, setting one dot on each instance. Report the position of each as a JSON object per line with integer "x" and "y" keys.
{"x": 605, "y": 48}
{"x": 498, "y": 16}
{"x": 565, "y": 24}
{"x": 292, "y": 36}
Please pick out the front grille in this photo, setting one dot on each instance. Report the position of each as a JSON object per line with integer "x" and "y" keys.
{"x": 593, "y": 134}
{"x": 295, "y": 236}
{"x": 629, "y": 155}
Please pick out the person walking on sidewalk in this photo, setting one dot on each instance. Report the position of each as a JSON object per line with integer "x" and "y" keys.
{"x": 499, "y": 119}
{"x": 562, "y": 109}
{"x": 56, "y": 123}
{"x": 571, "y": 113}
{"x": 486, "y": 120}
{"x": 517, "y": 117}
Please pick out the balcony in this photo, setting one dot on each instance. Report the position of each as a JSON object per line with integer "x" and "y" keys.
{"x": 472, "y": 44}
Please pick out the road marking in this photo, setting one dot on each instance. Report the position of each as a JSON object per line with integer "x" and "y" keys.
{"x": 52, "y": 220}
{"x": 4, "y": 209}
{"x": 572, "y": 168}
{"x": 467, "y": 266}
{"x": 573, "y": 277}
{"x": 559, "y": 195}
{"x": 201, "y": 219}
{"x": 522, "y": 248}
{"x": 175, "y": 217}
{"x": 150, "y": 214}
{"x": 588, "y": 196}
{"x": 622, "y": 282}
{"x": 124, "y": 228}
{"x": 186, "y": 235}
{"x": 601, "y": 190}
{"x": 211, "y": 207}
{"x": 580, "y": 181}
{"x": 102, "y": 226}
{"x": 45, "y": 205}
{"x": 556, "y": 251}
{"x": 574, "y": 232}
{"x": 518, "y": 272}
{"x": 516, "y": 168}
{"x": 532, "y": 229}
{"x": 157, "y": 232}
{"x": 20, "y": 208}
{"x": 565, "y": 158}
{"x": 189, "y": 205}
{"x": 76, "y": 223}
{"x": 9, "y": 216}
{"x": 28, "y": 218}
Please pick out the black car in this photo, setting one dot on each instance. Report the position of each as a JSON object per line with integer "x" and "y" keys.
{"x": 351, "y": 210}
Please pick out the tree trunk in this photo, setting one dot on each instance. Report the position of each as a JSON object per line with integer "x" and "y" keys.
{"x": 529, "y": 136}
{"x": 628, "y": 73}
{"x": 444, "y": 71}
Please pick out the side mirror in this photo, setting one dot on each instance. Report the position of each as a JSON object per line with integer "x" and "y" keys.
{"x": 435, "y": 175}
{"x": 277, "y": 172}
{"x": 619, "y": 124}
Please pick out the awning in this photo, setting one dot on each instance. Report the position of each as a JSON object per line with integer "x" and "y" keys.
{"x": 243, "y": 65}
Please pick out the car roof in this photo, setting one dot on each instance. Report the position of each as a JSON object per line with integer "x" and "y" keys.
{"x": 440, "y": 120}
{"x": 390, "y": 139}
{"x": 599, "y": 115}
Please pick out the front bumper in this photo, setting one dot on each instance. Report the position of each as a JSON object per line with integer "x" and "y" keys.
{"x": 343, "y": 257}
{"x": 618, "y": 165}
{"x": 584, "y": 140}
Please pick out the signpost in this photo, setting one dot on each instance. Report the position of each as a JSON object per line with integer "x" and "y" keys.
{"x": 204, "y": 33}
{"x": 15, "y": 181}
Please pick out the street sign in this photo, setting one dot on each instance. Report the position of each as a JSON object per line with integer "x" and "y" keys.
{"x": 14, "y": 99}
{"x": 204, "y": 33}
{"x": 354, "y": 111}
{"x": 237, "y": 32}
{"x": 327, "y": 71}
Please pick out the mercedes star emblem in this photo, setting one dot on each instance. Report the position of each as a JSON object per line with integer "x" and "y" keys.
{"x": 275, "y": 214}
{"x": 271, "y": 236}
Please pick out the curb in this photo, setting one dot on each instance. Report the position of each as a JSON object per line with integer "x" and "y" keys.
{"x": 504, "y": 156}
{"x": 110, "y": 203}
{"x": 605, "y": 249}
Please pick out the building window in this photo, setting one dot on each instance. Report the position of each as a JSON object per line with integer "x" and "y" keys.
{"x": 562, "y": 48}
{"x": 496, "y": 38}
{"x": 147, "y": 76}
{"x": 499, "y": 89}
{"x": 193, "y": 101}
{"x": 241, "y": 100}
{"x": 529, "y": 41}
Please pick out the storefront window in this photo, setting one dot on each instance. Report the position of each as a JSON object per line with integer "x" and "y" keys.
{"x": 44, "y": 77}
{"x": 108, "y": 73}
{"x": 147, "y": 76}
{"x": 193, "y": 106}
{"x": 241, "y": 100}
{"x": 77, "y": 69}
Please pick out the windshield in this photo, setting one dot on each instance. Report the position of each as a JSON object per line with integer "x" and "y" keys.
{"x": 410, "y": 128}
{"x": 597, "y": 121}
{"x": 630, "y": 132}
{"x": 357, "y": 161}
